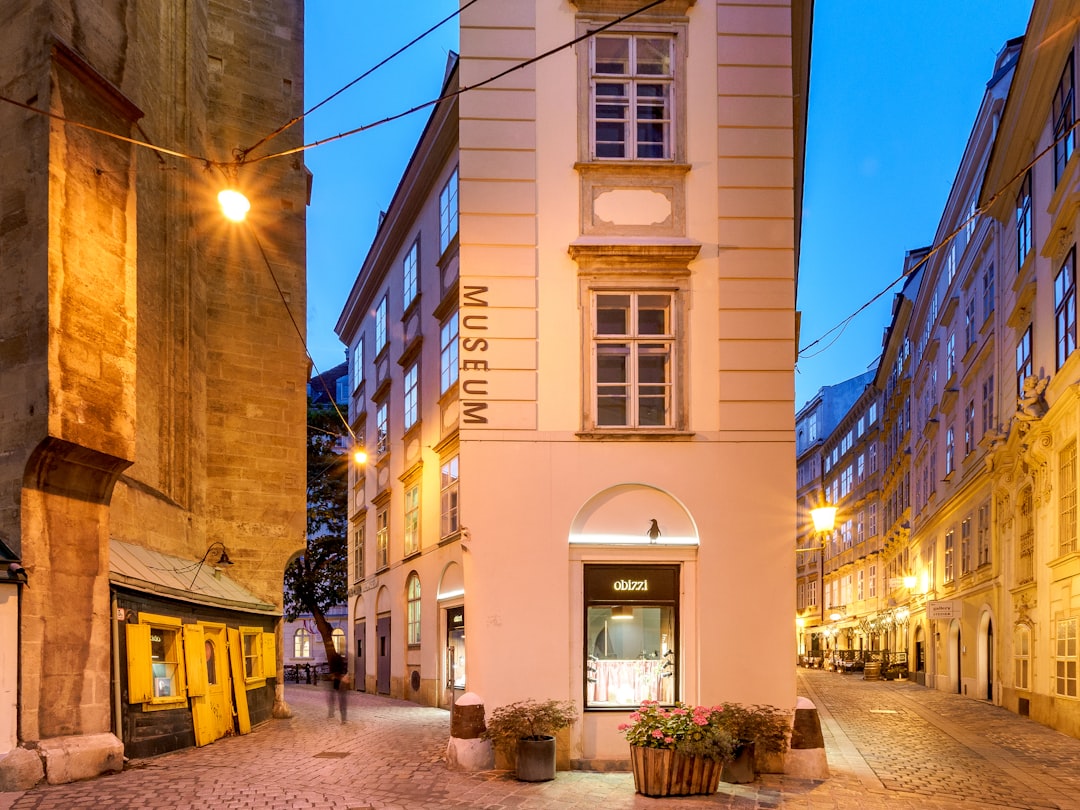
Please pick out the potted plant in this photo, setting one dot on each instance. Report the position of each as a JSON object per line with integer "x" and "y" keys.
{"x": 758, "y": 730}
{"x": 527, "y": 728}
{"x": 677, "y": 750}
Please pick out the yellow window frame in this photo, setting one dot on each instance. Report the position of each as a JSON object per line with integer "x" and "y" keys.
{"x": 145, "y": 683}
{"x": 259, "y": 656}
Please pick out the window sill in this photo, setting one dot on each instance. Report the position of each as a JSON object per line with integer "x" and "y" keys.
{"x": 636, "y": 435}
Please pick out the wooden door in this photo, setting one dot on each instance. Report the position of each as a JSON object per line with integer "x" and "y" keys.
{"x": 382, "y": 668}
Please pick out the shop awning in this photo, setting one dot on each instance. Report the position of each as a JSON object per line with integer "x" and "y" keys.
{"x": 148, "y": 571}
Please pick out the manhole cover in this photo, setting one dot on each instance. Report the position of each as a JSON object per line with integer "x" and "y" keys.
{"x": 332, "y": 754}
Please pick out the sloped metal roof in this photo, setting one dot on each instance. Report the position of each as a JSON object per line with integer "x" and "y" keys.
{"x": 149, "y": 571}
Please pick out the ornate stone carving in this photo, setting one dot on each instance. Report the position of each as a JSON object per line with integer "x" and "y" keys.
{"x": 1031, "y": 404}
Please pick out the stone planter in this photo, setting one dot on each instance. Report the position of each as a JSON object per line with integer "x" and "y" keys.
{"x": 664, "y": 772}
{"x": 536, "y": 760}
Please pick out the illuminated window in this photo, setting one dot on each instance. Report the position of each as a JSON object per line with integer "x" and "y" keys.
{"x": 1065, "y": 308}
{"x": 356, "y": 361}
{"x": 632, "y": 81}
{"x": 301, "y": 643}
{"x": 631, "y": 635}
{"x": 448, "y": 506}
{"x": 165, "y": 661}
{"x": 1022, "y": 657}
{"x": 337, "y": 638}
{"x": 1067, "y": 499}
{"x": 966, "y": 550}
{"x": 1024, "y": 365}
{"x": 382, "y": 428}
{"x": 1064, "y": 114}
{"x": 949, "y": 572}
{"x": 251, "y": 641}
{"x": 412, "y": 395}
{"x": 359, "y": 531}
{"x": 1023, "y": 221}
{"x": 381, "y": 335}
{"x": 413, "y": 619}
{"x": 382, "y": 537}
{"x": 1065, "y": 658}
{"x": 412, "y": 519}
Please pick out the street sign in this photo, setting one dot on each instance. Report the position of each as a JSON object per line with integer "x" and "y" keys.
{"x": 944, "y": 609}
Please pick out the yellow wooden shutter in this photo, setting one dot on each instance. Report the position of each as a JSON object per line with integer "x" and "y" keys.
{"x": 195, "y": 660}
{"x": 269, "y": 655}
{"x": 139, "y": 673}
{"x": 236, "y": 664}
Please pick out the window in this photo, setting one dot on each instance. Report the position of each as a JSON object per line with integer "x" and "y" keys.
{"x": 380, "y": 325}
{"x": 382, "y": 428}
{"x": 1064, "y": 116}
{"x": 165, "y": 662}
{"x": 448, "y": 353}
{"x": 969, "y": 323}
{"x": 871, "y": 413}
{"x": 860, "y": 467}
{"x": 988, "y": 404}
{"x": 860, "y": 427}
{"x": 1023, "y": 221}
{"x": 1025, "y": 547}
{"x": 358, "y": 549}
{"x": 631, "y": 635}
{"x": 984, "y": 534}
{"x": 871, "y": 519}
{"x": 871, "y": 458}
{"x": 633, "y": 344}
{"x": 860, "y": 586}
{"x": 412, "y": 395}
{"x": 631, "y": 84}
{"x": 382, "y": 537}
{"x": 337, "y": 638}
{"x": 1065, "y": 658}
{"x": 1065, "y": 308}
{"x": 256, "y": 665}
{"x": 412, "y": 519}
{"x": 871, "y": 590}
{"x": 448, "y": 211}
{"x": 413, "y": 620}
{"x": 356, "y": 357}
{"x": 988, "y": 291}
{"x": 950, "y": 263}
{"x": 969, "y": 427}
{"x": 1067, "y": 499}
{"x": 1024, "y": 365}
{"x": 410, "y": 275}
{"x": 966, "y": 558}
{"x": 950, "y": 356}
{"x": 1022, "y": 657}
{"x": 301, "y": 643}
{"x": 448, "y": 498}
{"x": 950, "y": 451}
{"x": 811, "y": 594}
{"x": 949, "y": 572}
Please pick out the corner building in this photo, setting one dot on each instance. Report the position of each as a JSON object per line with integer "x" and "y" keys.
{"x": 614, "y": 464}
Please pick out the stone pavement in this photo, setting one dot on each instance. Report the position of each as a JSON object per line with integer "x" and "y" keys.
{"x": 890, "y": 745}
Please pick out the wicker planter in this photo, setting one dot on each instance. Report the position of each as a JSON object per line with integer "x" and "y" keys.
{"x": 664, "y": 772}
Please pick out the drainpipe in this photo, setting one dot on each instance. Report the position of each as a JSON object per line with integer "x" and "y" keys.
{"x": 115, "y": 665}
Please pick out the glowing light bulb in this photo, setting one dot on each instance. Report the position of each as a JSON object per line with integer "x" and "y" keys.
{"x": 359, "y": 456}
{"x": 234, "y": 205}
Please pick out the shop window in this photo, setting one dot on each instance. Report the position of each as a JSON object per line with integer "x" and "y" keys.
{"x": 631, "y": 635}
{"x": 155, "y": 661}
{"x": 302, "y": 644}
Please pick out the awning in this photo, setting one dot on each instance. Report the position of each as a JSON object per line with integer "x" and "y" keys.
{"x": 142, "y": 569}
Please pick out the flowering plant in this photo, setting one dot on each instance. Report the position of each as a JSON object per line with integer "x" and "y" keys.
{"x": 694, "y": 731}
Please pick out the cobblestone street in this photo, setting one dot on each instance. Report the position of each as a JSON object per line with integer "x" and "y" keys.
{"x": 890, "y": 745}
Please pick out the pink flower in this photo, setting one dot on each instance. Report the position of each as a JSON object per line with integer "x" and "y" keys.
{"x": 634, "y": 717}
{"x": 701, "y": 721}
{"x": 678, "y": 711}
{"x": 669, "y": 739}
{"x": 657, "y": 733}
{"x": 623, "y": 726}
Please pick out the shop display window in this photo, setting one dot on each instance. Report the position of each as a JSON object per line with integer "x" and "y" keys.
{"x": 631, "y": 635}
{"x": 164, "y": 661}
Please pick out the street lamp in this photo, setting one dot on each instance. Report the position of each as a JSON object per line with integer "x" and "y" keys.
{"x": 824, "y": 518}
{"x": 234, "y": 205}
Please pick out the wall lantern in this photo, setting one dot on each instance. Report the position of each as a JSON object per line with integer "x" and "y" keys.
{"x": 222, "y": 560}
{"x": 824, "y": 518}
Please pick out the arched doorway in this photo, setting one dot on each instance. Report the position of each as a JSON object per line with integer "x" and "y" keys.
{"x": 382, "y": 642}
{"x": 955, "y": 652}
{"x": 920, "y": 656}
{"x": 985, "y": 683}
{"x": 359, "y": 663}
{"x": 452, "y": 612}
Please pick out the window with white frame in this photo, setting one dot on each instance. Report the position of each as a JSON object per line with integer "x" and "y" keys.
{"x": 949, "y": 571}
{"x": 1067, "y": 499}
{"x": 950, "y": 450}
{"x": 412, "y": 595}
{"x": 1024, "y": 364}
{"x": 412, "y": 519}
{"x": 412, "y": 395}
{"x": 1023, "y": 221}
{"x": 1065, "y": 308}
{"x": 382, "y": 428}
{"x": 448, "y": 498}
{"x": 380, "y": 325}
{"x": 969, "y": 427}
{"x": 1065, "y": 658}
{"x": 871, "y": 519}
{"x": 969, "y": 323}
{"x": 988, "y": 291}
{"x": 448, "y": 211}
{"x": 871, "y": 458}
{"x": 382, "y": 537}
{"x": 410, "y": 274}
{"x": 631, "y": 83}
{"x": 966, "y": 548}
{"x": 1064, "y": 115}
{"x": 356, "y": 363}
{"x": 358, "y": 549}
{"x": 950, "y": 356}
{"x": 871, "y": 413}
{"x": 337, "y": 639}
{"x": 811, "y": 593}
{"x": 860, "y": 585}
{"x": 871, "y": 576}
{"x": 448, "y": 352}
{"x": 301, "y": 643}
{"x": 633, "y": 356}
{"x": 988, "y": 403}
{"x": 983, "y": 541}
{"x": 1022, "y": 657}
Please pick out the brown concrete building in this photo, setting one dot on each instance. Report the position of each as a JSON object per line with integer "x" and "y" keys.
{"x": 153, "y": 386}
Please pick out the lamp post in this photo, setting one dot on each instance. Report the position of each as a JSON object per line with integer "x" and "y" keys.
{"x": 823, "y": 517}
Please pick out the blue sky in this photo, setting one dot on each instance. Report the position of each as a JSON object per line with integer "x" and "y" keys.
{"x": 894, "y": 91}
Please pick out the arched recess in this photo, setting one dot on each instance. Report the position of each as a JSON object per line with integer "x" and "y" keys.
{"x": 985, "y": 658}
{"x": 383, "y": 603}
{"x": 452, "y": 582}
{"x": 918, "y": 666}
{"x": 358, "y": 664}
{"x": 625, "y": 513}
{"x": 953, "y": 648}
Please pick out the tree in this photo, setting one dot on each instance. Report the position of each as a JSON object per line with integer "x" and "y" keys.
{"x": 316, "y": 580}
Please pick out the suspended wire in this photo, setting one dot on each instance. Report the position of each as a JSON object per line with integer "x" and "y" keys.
{"x": 461, "y": 90}
{"x": 245, "y": 152}
{"x": 991, "y": 201}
